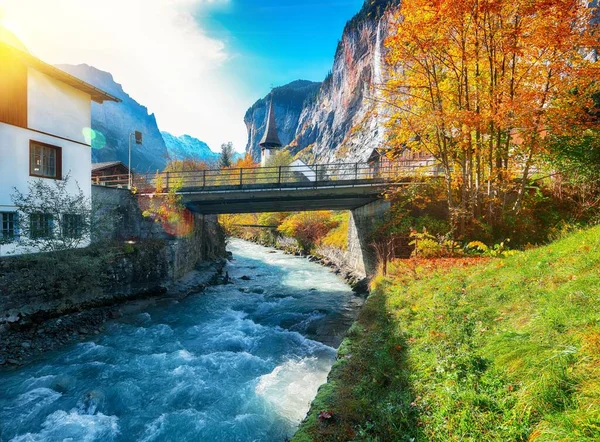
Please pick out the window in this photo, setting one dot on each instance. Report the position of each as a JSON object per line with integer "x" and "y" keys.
{"x": 9, "y": 224}
{"x": 72, "y": 225}
{"x": 41, "y": 225}
{"x": 45, "y": 161}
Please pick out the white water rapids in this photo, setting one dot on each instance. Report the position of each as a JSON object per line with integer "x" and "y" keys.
{"x": 238, "y": 362}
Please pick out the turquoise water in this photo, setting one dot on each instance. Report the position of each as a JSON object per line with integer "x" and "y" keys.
{"x": 239, "y": 362}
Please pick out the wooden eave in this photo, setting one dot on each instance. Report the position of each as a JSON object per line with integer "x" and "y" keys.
{"x": 97, "y": 95}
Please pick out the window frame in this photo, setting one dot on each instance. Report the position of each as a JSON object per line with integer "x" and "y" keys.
{"x": 57, "y": 166}
{"x": 72, "y": 226}
{"x": 14, "y": 222}
{"x": 48, "y": 229}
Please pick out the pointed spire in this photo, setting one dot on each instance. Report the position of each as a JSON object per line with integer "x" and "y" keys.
{"x": 270, "y": 140}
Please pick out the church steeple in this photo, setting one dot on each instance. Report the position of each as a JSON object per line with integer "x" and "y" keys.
{"x": 270, "y": 139}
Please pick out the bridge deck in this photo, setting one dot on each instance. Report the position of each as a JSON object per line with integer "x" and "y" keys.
{"x": 284, "y": 188}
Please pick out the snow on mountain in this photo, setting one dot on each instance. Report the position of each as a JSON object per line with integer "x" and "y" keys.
{"x": 188, "y": 147}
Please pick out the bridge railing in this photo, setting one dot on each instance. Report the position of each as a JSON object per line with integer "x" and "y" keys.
{"x": 304, "y": 175}
{"x": 119, "y": 181}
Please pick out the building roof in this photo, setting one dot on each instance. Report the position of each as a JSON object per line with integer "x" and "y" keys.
{"x": 270, "y": 139}
{"x": 377, "y": 153}
{"x": 98, "y": 95}
{"x": 101, "y": 166}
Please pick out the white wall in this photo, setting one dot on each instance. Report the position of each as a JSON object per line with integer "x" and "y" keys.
{"x": 301, "y": 167}
{"x": 14, "y": 164}
{"x": 56, "y": 108}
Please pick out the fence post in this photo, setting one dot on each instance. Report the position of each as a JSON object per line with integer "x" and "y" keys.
{"x": 316, "y": 173}
{"x": 204, "y": 178}
{"x": 279, "y": 177}
{"x": 167, "y": 181}
{"x": 356, "y": 171}
{"x": 241, "y": 173}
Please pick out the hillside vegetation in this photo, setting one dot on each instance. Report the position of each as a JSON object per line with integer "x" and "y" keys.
{"x": 473, "y": 350}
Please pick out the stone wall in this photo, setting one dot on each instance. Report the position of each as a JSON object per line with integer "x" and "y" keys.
{"x": 133, "y": 257}
{"x": 119, "y": 217}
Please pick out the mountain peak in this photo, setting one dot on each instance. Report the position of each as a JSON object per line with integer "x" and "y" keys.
{"x": 185, "y": 147}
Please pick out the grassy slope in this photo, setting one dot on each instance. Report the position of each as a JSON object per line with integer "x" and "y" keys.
{"x": 502, "y": 350}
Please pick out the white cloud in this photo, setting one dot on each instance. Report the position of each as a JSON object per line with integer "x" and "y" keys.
{"x": 154, "y": 48}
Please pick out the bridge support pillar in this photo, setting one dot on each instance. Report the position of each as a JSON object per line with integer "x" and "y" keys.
{"x": 363, "y": 222}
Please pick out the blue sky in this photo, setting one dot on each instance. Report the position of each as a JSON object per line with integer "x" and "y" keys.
{"x": 196, "y": 64}
{"x": 274, "y": 42}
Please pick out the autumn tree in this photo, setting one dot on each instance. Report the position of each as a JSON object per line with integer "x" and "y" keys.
{"x": 245, "y": 163}
{"x": 188, "y": 165}
{"x": 482, "y": 85}
{"x": 165, "y": 207}
{"x": 308, "y": 228}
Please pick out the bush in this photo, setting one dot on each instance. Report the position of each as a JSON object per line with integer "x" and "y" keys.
{"x": 338, "y": 236}
{"x": 308, "y": 227}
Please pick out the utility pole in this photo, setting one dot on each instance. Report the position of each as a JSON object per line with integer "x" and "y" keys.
{"x": 138, "y": 140}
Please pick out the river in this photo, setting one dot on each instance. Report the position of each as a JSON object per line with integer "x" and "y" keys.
{"x": 237, "y": 362}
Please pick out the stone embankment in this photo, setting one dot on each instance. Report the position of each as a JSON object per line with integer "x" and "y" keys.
{"x": 48, "y": 300}
{"x": 24, "y": 340}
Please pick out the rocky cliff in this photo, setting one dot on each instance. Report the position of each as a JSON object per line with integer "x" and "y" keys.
{"x": 113, "y": 122}
{"x": 289, "y": 102}
{"x": 342, "y": 121}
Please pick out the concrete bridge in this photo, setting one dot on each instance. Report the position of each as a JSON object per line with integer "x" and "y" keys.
{"x": 358, "y": 187}
{"x": 285, "y": 188}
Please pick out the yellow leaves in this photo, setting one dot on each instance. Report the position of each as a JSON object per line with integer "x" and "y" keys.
{"x": 479, "y": 81}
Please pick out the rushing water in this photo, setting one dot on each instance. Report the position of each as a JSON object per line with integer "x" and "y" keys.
{"x": 238, "y": 362}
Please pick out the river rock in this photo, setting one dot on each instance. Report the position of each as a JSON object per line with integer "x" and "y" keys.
{"x": 26, "y": 344}
{"x": 2, "y": 360}
{"x": 62, "y": 383}
{"x": 246, "y": 278}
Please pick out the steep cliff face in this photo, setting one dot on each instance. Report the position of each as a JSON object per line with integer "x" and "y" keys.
{"x": 344, "y": 121}
{"x": 289, "y": 102}
{"x": 113, "y": 122}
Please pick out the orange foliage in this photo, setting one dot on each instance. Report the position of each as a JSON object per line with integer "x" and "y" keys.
{"x": 246, "y": 162}
{"x": 186, "y": 166}
{"x": 308, "y": 227}
{"x": 479, "y": 84}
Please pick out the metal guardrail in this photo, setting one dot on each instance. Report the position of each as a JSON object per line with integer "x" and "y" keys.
{"x": 317, "y": 175}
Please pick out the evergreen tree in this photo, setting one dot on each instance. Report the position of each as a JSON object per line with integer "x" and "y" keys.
{"x": 226, "y": 156}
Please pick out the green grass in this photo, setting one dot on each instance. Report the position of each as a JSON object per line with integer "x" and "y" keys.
{"x": 468, "y": 350}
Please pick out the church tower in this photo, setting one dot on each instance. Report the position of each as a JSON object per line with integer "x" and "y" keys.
{"x": 270, "y": 141}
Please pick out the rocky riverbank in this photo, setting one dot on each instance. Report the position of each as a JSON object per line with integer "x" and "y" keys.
{"x": 23, "y": 341}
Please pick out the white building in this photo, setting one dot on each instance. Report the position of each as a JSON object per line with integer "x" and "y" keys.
{"x": 45, "y": 129}
{"x": 304, "y": 169}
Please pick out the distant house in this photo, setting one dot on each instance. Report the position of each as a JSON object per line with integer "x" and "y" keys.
{"x": 305, "y": 171}
{"x": 45, "y": 131}
{"x": 112, "y": 173}
{"x": 408, "y": 161}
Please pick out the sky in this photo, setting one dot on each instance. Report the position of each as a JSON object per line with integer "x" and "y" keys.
{"x": 197, "y": 64}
